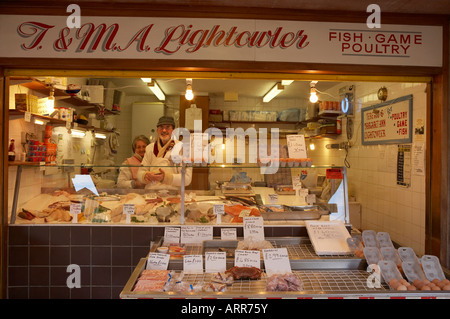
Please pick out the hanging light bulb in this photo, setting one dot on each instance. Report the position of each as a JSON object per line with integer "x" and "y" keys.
{"x": 313, "y": 98}
{"x": 189, "y": 94}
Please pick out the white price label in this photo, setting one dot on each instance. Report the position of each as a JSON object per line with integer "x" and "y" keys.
{"x": 276, "y": 261}
{"x": 193, "y": 264}
{"x": 247, "y": 258}
{"x": 75, "y": 209}
{"x": 171, "y": 235}
{"x": 215, "y": 261}
{"x": 254, "y": 227}
{"x": 158, "y": 261}
{"x": 273, "y": 199}
{"x": 228, "y": 234}
{"x": 128, "y": 210}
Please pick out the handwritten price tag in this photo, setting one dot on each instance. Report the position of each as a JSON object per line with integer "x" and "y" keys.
{"x": 296, "y": 146}
{"x": 215, "y": 261}
{"x": 128, "y": 210}
{"x": 228, "y": 234}
{"x": 193, "y": 264}
{"x": 75, "y": 209}
{"x": 171, "y": 235}
{"x": 158, "y": 261}
{"x": 247, "y": 258}
{"x": 254, "y": 227}
{"x": 276, "y": 261}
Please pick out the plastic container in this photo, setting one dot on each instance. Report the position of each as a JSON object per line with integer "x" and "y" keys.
{"x": 432, "y": 268}
{"x": 356, "y": 246}
{"x": 384, "y": 240}
{"x": 390, "y": 253}
{"x": 372, "y": 255}
{"x": 407, "y": 254}
{"x": 389, "y": 271}
{"x": 370, "y": 238}
{"x": 413, "y": 270}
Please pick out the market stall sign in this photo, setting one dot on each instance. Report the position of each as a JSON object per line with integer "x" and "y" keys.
{"x": 387, "y": 122}
{"x": 35, "y": 36}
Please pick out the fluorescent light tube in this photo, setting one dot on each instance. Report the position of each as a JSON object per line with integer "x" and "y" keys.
{"x": 286, "y": 82}
{"x": 153, "y": 86}
{"x": 78, "y": 133}
{"x": 100, "y": 135}
{"x": 273, "y": 92}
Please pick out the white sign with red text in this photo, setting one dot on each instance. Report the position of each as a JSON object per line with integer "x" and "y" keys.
{"x": 33, "y": 36}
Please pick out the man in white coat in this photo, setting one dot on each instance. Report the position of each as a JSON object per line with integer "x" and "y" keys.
{"x": 158, "y": 170}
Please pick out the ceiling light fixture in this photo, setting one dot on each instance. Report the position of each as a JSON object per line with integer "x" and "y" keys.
{"x": 189, "y": 95}
{"x": 154, "y": 87}
{"x": 78, "y": 133}
{"x": 313, "y": 95}
{"x": 286, "y": 82}
{"x": 100, "y": 135}
{"x": 146, "y": 80}
{"x": 273, "y": 92}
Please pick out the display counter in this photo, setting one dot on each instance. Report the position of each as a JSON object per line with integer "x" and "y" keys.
{"x": 313, "y": 276}
{"x": 92, "y": 193}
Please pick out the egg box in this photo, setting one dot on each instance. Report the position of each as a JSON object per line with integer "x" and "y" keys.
{"x": 432, "y": 268}
{"x": 389, "y": 270}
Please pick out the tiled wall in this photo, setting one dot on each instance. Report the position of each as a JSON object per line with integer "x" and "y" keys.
{"x": 385, "y": 206}
{"x": 39, "y": 256}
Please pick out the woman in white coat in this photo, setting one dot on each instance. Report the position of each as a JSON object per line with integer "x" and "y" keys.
{"x": 128, "y": 173}
{"x": 158, "y": 171}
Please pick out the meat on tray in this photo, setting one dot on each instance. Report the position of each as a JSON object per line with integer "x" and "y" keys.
{"x": 244, "y": 272}
{"x": 151, "y": 280}
{"x": 284, "y": 282}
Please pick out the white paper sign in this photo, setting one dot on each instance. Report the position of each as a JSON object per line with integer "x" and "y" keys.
{"x": 247, "y": 258}
{"x": 276, "y": 261}
{"x": 75, "y": 209}
{"x": 204, "y": 233}
{"x": 273, "y": 199}
{"x": 171, "y": 235}
{"x": 189, "y": 235}
{"x": 158, "y": 261}
{"x": 193, "y": 264}
{"x": 228, "y": 234}
{"x": 84, "y": 181}
{"x": 329, "y": 237}
{"x": 128, "y": 210}
{"x": 215, "y": 261}
{"x": 219, "y": 210}
{"x": 254, "y": 227}
{"x": 296, "y": 183}
{"x": 296, "y": 146}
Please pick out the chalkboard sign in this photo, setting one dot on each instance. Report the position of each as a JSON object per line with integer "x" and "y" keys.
{"x": 387, "y": 122}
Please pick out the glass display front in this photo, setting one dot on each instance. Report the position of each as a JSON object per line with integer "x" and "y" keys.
{"x": 95, "y": 194}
